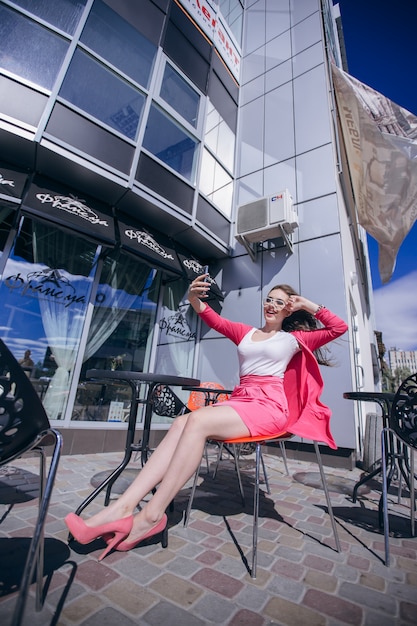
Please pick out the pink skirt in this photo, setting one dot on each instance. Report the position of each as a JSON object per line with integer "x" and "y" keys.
{"x": 261, "y": 403}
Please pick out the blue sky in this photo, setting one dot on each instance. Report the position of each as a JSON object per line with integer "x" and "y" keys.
{"x": 381, "y": 52}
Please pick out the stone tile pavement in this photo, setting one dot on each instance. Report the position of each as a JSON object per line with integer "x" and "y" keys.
{"x": 202, "y": 577}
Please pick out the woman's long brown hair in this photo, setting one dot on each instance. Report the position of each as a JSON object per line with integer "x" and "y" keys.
{"x": 302, "y": 320}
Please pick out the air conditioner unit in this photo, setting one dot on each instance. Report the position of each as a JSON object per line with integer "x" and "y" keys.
{"x": 267, "y": 218}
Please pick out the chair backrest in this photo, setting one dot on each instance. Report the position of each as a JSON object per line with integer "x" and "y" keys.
{"x": 165, "y": 402}
{"x": 197, "y": 399}
{"x": 22, "y": 416}
{"x": 403, "y": 418}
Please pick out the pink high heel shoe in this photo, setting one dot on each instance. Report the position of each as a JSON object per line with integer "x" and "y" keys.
{"x": 115, "y": 531}
{"x": 161, "y": 527}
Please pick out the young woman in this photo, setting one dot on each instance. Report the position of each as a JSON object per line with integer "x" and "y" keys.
{"x": 279, "y": 391}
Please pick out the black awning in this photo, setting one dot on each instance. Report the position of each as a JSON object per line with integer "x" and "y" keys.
{"x": 60, "y": 205}
{"x": 153, "y": 247}
{"x": 193, "y": 268}
{"x": 12, "y": 183}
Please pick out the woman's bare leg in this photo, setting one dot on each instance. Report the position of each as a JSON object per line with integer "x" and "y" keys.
{"x": 149, "y": 476}
{"x": 215, "y": 422}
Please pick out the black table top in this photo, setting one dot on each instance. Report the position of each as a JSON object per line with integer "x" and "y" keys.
{"x": 143, "y": 377}
{"x": 369, "y": 396}
{"x": 206, "y": 389}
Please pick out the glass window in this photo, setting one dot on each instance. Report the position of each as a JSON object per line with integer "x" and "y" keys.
{"x": 119, "y": 42}
{"x": 170, "y": 143}
{"x": 98, "y": 91}
{"x": 219, "y": 137}
{"x": 30, "y": 50}
{"x": 7, "y": 215}
{"x": 63, "y": 14}
{"x": 232, "y": 11}
{"x": 44, "y": 292}
{"x": 216, "y": 184}
{"x": 180, "y": 95}
{"x": 120, "y": 335}
{"x": 177, "y": 326}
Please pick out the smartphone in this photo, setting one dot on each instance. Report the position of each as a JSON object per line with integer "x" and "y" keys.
{"x": 206, "y": 271}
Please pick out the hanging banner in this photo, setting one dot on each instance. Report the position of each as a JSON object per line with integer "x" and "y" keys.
{"x": 381, "y": 145}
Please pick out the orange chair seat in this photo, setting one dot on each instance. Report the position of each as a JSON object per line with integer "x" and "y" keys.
{"x": 282, "y": 435}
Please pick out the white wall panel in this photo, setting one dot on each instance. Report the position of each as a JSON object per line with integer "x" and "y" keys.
{"x": 306, "y": 33}
{"x": 251, "y": 137}
{"x": 315, "y": 173}
{"x": 307, "y": 59}
{"x": 252, "y": 90}
{"x": 279, "y": 125}
{"x": 318, "y": 217}
{"x": 254, "y": 27}
{"x": 278, "y": 50}
{"x": 277, "y": 17}
{"x": 278, "y": 76}
{"x": 280, "y": 176}
{"x": 311, "y": 110}
{"x": 253, "y": 65}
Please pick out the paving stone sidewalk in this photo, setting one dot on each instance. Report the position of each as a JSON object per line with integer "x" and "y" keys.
{"x": 202, "y": 577}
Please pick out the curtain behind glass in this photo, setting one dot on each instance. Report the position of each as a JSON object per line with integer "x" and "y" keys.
{"x": 123, "y": 278}
{"x": 63, "y": 287}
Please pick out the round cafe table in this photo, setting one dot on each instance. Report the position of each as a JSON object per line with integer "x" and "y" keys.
{"x": 384, "y": 399}
{"x": 135, "y": 380}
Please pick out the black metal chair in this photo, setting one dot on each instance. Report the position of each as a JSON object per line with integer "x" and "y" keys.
{"x": 24, "y": 427}
{"x": 399, "y": 459}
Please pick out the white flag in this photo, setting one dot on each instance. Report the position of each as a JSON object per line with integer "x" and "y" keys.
{"x": 381, "y": 145}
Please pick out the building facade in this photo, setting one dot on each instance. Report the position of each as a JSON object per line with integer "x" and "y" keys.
{"x": 402, "y": 360}
{"x": 131, "y": 131}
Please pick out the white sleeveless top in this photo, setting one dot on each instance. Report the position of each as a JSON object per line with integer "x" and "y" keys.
{"x": 266, "y": 358}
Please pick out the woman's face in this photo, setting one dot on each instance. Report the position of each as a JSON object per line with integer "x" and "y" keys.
{"x": 275, "y": 305}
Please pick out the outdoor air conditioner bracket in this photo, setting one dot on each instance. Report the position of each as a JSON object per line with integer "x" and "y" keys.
{"x": 286, "y": 238}
{"x": 252, "y": 249}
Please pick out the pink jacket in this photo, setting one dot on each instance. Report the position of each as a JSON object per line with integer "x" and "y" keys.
{"x": 303, "y": 383}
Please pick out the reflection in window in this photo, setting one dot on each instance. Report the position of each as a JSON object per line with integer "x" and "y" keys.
{"x": 219, "y": 137}
{"x": 7, "y": 216}
{"x": 180, "y": 95}
{"x": 114, "y": 39}
{"x": 96, "y": 90}
{"x": 30, "y": 50}
{"x": 44, "y": 292}
{"x": 232, "y": 11}
{"x": 216, "y": 184}
{"x": 170, "y": 143}
{"x": 177, "y": 326}
{"x": 120, "y": 335}
{"x": 64, "y": 14}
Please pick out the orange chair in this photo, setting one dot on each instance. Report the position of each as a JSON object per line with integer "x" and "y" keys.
{"x": 198, "y": 399}
{"x": 259, "y": 441}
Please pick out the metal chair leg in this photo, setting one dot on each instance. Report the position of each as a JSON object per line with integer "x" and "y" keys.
{"x": 385, "y": 498}
{"x": 37, "y": 535}
{"x": 326, "y": 492}
{"x": 255, "y": 512}
{"x": 268, "y": 490}
{"x": 191, "y": 498}
{"x": 239, "y": 477}
{"x": 284, "y": 456}
{"x": 41, "y": 546}
{"x": 412, "y": 493}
